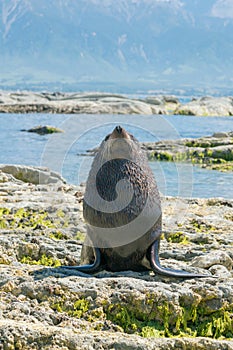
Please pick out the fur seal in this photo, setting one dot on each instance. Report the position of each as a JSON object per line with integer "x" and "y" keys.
{"x": 121, "y": 233}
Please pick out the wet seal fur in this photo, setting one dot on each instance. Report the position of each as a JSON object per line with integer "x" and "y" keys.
{"x": 120, "y": 157}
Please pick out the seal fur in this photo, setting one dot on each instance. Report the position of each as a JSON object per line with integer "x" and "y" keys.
{"x": 120, "y": 157}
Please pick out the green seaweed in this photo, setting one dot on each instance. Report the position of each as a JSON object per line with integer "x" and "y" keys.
{"x": 217, "y": 325}
{"x": 3, "y": 224}
{"x": 132, "y": 321}
{"x": 60, "y": 213}
{"x": 207, "y": 157}
{"x": 58, "y": 235}
{"x": 30, "y": 219}
{"x": 80, "y": 236}
{"x": 44, "y": 260}
{"x": 222, "y": 166}
{"x": 4, "y": 211}
{"x": 191, "y": 321}
{"x": 201, "y": 226}
{"x": 76, "y": 309}
{"x": 152, "y": 317}
{"x": 177, "y": 237}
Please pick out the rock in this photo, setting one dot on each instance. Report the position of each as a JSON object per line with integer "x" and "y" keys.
{"x": 154, "y": 100}
{"x": 208, "y": 260}
{"x": 23, "y": 335}
{"x": 207, "y": 106}
{"x": 220, "y": 134}
{"x": 41, "y": 228}
{"x": 171, "y": 99}
{"x": 44, "y": 130}
{"x": 214, "y": 152}
{"x": 223, "y": 152}
{"x": 220, "y": 271}
{"x": 4, "y": 177}
{"x": 93, "y": 103}
{"x": 35, "y": 175}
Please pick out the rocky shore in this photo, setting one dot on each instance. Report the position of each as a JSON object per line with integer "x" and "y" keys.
{"x": 41, "y": 228}
{"x": 107, "y": 103}
{"x": 212, "y": 152}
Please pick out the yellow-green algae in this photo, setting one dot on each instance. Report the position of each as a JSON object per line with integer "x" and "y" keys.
{"x": 25, "y": 218}
{"x": 163, "y": 320}
{"x": 177, "y": 237}
{"x": 77, "y": 308}
{"x": 202, "y": 227}
{"x": 29, "y": 219}
{"x": 44, "y": 260}
{"x": 58, "y": 235}
{"x": 150, "y": 316}
{"x": 208, "y": 157}
{"x": 190, "y": 322}
{"x": 80, "y": 236}
{"x": 158, "y": 318}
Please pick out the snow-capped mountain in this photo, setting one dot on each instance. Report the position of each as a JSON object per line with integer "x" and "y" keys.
{"x": 160, "y": 41}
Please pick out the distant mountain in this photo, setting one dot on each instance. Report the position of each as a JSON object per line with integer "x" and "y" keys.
{"x": 158, "y": 42}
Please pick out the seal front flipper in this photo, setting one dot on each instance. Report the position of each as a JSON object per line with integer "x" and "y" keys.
{"x": 89, "y": 268}
{"x": 157, "y": 268}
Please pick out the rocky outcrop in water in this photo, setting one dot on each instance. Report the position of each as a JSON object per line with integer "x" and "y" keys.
{"x": 91, "y": 103}
{"x": 44, "y": 130}
{"x": 207, "y": 106}
{"x": 213, "y": 152}
{"x": 41, "y": 227}
{"x": 107, "y": 103}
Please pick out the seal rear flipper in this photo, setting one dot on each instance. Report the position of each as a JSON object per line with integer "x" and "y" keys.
{"x": 88, "y": 268}
{"x": 157, "y": 268}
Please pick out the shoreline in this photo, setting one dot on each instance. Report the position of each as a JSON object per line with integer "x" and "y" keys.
{"x": 42, "y": 227}
{"x": 108, "y": 103}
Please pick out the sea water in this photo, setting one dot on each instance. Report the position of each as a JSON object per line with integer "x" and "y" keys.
{"x": 65, "y": 153}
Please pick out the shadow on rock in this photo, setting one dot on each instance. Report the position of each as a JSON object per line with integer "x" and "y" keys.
{"x": 58, "y": 272}
{"x": 62, "y": 272}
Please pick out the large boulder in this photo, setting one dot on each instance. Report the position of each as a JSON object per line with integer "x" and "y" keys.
{"x": 34, "y": 175}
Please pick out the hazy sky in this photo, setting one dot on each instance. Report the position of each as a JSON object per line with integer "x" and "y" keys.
{"x": 223, "y": 9}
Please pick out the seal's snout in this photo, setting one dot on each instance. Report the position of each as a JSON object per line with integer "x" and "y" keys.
{"x": 119, "y": 133}
{"x": 118, "y": 129}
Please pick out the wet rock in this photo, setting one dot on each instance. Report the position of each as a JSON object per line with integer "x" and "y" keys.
{"x": 213, "y": 152}
{"x": 44, "y": 130}
{"x": 223, "y": 152}
{"x": 222, "y": 134}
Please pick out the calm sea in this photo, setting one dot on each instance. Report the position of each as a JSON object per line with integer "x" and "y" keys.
{"x": 63, "y": 152}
